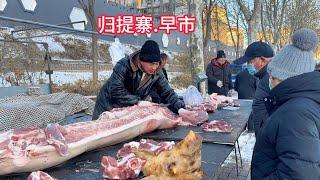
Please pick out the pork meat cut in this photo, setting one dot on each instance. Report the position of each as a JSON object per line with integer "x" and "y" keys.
{"x": 31, "y": 149}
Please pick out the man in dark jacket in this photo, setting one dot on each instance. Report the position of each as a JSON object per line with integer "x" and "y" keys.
{"x": 246, "y": 83}
{"x": 219, "y": 75}
{"x": 133, "y": 78}
{"x": 259, "y": 54}
{"x": 288, "y": 145}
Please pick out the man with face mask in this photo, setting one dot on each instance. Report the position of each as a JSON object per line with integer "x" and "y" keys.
{"x": 288, "y": 145}
{"x": 246, "y": 83}
{"x": 259, "y": 55}
{"x": 132, "y": 80}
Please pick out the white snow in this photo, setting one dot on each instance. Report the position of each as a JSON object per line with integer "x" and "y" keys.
{"x": 62, "y": 77}
{"x": 7, "y": 29}
{"x": 118, "y": 51}
{"x": 52, "y": 44}
{"x": 246, "y": 143}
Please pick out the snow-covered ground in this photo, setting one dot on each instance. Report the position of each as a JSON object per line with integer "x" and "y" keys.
{"x": 64, "y": 77}
{"x": 60, "y": 77}
{"x": 117, "y": 50}
{"x": 246, "y": 143}
{"x": 52, "y": 44}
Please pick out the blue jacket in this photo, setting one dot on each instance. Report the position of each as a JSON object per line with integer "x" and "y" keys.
{"x": 288, "y": 145}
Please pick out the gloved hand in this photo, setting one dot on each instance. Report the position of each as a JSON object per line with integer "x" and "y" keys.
{"x": 176, "y": 106}
{"x": 219, "y": 84}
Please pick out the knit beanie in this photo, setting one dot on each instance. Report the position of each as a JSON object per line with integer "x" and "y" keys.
{"x": 221, "y": 54}
{"x": 150, "y": 52}
{"x": 296, "y": 58}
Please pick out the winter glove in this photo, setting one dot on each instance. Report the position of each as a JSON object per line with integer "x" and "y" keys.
{"x": 219, "y": 84}
{"x": 176, "y": 106}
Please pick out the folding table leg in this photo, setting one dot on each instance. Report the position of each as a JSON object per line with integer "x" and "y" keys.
{"x": 235, "y": 152}
{"x": 239, "y": 153}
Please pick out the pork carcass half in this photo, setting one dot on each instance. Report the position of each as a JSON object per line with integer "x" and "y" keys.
{"x": 32, "y": 149}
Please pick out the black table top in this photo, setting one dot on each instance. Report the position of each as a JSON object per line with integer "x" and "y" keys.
{"x": 237, "y": 119}
{"x": 87, "y": 166}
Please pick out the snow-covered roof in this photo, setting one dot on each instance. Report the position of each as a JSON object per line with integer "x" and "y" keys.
{"x": 60, "y": 11}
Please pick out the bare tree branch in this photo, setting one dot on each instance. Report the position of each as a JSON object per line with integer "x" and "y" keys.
{"x": 251, "y": 18}
{"x": 245, "y": 10}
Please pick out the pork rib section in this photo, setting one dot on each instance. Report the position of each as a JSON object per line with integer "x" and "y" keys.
{"x": 217, "y": 126}
{"x": 128, "y": 165}
{"x": 31, "y": 149}
{"x": 39, "y": 175}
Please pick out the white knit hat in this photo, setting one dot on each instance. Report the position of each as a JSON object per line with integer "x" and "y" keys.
{"x": 296, "y": 58}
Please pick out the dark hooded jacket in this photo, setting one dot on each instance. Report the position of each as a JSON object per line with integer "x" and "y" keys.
{"x": 259, "y": 111}
{"x": 288, "y": 144}
{"x": 215, "y": 72}
{"x": 245, "y": 85}
{"x": 125, "y": 87}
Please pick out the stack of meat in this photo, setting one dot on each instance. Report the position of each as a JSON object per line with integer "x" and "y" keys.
{"x": 196, "y": 113}
{"x": 128, "y": 164}
{"x": 183, "y": 161}
{"x": 211, "y": 103}
{"x": 157, "y": 160}
{"x": 32, "y": 149}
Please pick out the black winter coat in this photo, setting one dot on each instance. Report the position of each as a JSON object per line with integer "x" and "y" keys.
{"x": 216, "y": 72}
{"x": 154, "y": 94}
{"x": 259, "y": 112}
{"x": 122, "y": 88}
{"x": 246, "y": 85}
{"x": 288, "y": 145}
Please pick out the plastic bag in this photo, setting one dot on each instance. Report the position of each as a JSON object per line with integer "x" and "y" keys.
{"x": 192, "y": 96}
